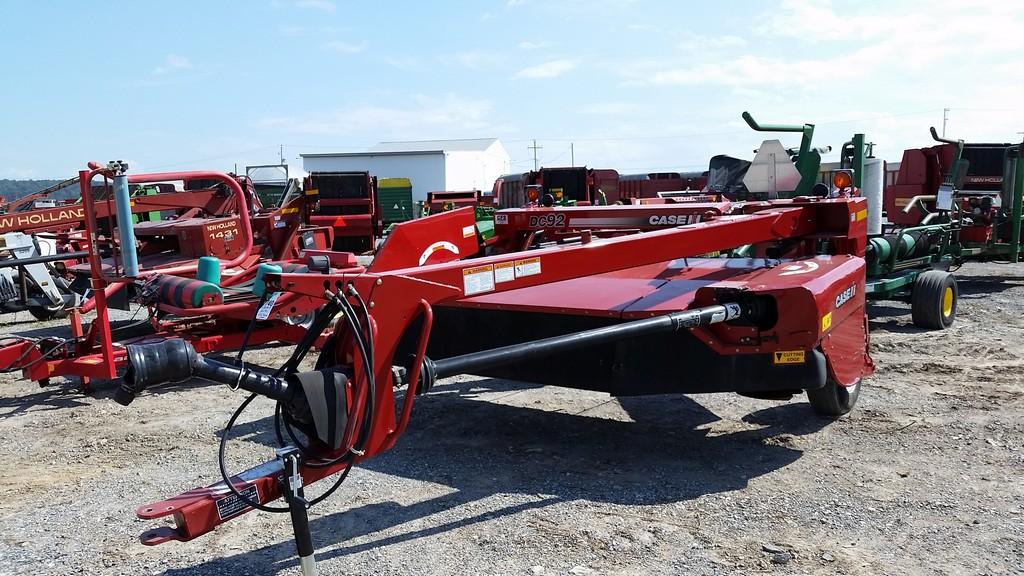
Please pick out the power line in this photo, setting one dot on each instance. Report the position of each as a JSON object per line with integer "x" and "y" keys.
{"x": 534, "y": 148}
{"x": 211, "y": 158}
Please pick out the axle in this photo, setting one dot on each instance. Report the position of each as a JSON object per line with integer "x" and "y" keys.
{"x": 469, "y": 363}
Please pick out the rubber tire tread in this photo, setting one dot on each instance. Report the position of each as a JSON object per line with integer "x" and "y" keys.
{"x": 926, "y": 300}
{"x": 833, "y": 400}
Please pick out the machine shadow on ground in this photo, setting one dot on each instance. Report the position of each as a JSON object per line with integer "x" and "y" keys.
{"x": 974, "y": 287}
{"x": 65, "y": 393}
{"x": 886, "y": 316}
{"x": 484, "y": 448}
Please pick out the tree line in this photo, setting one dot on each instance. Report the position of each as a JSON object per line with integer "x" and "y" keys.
{"x": 14, "y": 189}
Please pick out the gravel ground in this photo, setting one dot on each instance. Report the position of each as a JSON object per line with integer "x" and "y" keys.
{"x": 496, "y": 477}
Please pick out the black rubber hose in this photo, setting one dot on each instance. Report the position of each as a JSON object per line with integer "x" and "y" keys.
{"x": 368, "y": 411}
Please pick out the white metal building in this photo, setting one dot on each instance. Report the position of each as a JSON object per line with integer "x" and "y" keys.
{"x": 432, "y": 165}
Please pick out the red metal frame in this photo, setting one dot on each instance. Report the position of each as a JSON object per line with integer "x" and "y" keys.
{"x": 621, "y": 269}
{"x": 516, "y": 228}
{"x": 96, "y": 354}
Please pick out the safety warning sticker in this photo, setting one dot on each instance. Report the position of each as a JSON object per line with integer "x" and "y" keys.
{"x": 505, "y": 272}
{"x": 264, "y": 312}
{"x": 477, "y": 279}
{"x": 468, "y": 231}
{"x": 527, "y": 267}
{"x": 231, "y": 505}
{"x": 789, "y": 357}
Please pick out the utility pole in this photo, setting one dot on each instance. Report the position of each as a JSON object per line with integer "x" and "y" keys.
{"x": 534, "y": 148}
{"x": 572, "y": 155}
{"x": 280, "y": 152}
{"x": 945, "y": 118}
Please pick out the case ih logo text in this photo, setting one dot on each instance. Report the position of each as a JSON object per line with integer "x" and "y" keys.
{"x": 673, "y": 219}
{"x": 845, "y": 295}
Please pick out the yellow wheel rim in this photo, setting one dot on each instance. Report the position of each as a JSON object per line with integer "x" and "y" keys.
{"x": 947, "y": 302}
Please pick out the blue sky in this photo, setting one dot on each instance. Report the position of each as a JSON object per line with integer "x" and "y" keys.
{"x": 636, "y": 85}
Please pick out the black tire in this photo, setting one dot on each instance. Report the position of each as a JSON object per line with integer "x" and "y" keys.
{"x": 42, "y": 313}
{"x": 933, "y": 300}
{"x": 833, "y": 400}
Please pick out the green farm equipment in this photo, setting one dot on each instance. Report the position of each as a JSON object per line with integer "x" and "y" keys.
{"x": 483, "y": 208}
{"x": 395, "y": 198}
{"x": 909, "y": 264}
{"x": 976, "y": 189}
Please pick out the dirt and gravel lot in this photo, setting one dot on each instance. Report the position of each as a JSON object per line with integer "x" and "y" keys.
{"x": 496, "y": 477}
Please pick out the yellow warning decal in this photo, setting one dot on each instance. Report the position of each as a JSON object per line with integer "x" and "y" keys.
{"x": 289, "y": 210}
{"x": 862, "y": 214}
{"x": 826, "y": 322}
{"x": 312, "y": 192}
{"x": 789, "y": 357}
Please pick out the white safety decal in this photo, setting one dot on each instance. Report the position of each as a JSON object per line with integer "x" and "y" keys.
{"x": 527, "y": 267}
{"x": 264, "y": 312}
{"x": 799, "y": 268}
{"x": 505, "y": 272}
{"x": 477, "y": 279}
{"x": 436, "y": 246}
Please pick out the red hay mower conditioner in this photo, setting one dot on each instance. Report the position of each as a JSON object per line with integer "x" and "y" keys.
{"x": 629, "y": 315}
{"x": 228, "y": 311}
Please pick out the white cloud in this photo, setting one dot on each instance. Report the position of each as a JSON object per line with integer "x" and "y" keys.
{"x": 816, "y": 20}
{"x": 171, "y": 63}
{"x": 402, "y": 62}
{"x": 451, "y": 112}
{"x": 552, "y": 69}
{"x": 746, "y": 70}
{"x": 527, "y": 45}
{"x": 343, "y": 47}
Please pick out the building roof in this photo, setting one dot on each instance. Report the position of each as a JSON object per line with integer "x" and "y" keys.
{"x": 417, "y": 147}
{"x": 460, "y": 145}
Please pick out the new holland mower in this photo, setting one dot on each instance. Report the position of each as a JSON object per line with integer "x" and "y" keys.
{"x": 202, "y": 278}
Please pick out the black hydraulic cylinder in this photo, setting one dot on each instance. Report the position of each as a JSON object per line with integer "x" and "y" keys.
{"x": 469, "y": 363}
{"x": 13, "y": 262}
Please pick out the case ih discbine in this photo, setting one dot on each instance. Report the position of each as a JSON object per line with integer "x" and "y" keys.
{"x": 629, "y": 315}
